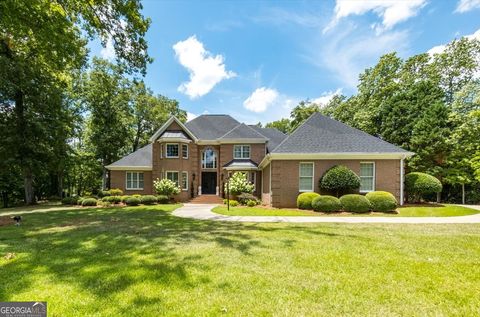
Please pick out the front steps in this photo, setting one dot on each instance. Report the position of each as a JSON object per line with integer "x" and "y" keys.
{"x": 206, "y": 199}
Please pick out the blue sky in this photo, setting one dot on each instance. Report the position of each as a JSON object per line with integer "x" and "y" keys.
{"x": 256, "y": 60}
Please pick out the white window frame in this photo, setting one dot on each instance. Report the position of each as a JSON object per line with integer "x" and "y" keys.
{"x": 373, "y": 177}
{"x": 166, "y": 150}
{"x": 184, "y": 174}
{"x": 300, "y": 176}
{"x": 178, "y": 176}
{"x": 241, "y": 146}
{"x": 185, "y": 157}
{"x": 137, "y": 181}
{"x": 204, "y": 161}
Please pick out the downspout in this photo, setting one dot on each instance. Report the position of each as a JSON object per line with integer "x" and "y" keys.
{"x": 401, "y": 180}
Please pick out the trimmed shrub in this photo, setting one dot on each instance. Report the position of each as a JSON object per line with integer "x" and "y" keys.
{"x": 137, "y": 196}
{"x": 115, "y": 199}
{"x": 166, "y": 187}
{"x": 115, "y": 192}
{"x": 339, "y": 179}
{"x": 148, "y": 200}
{"x": 123, "y": 198}
{"x": 420, "y": 185}
{"x": 132, "y": 201}
{"x": 238, "y": 184}
{"x": 252, "y": 203}
{"x": 325, "y": 203}
{"x": 162, "y": 199}
{"x": 234, "y": 203}
{"x": 355, "y": 203}
{"x": 89, "y": 202}
{"x": 69, "y": 201}
{"x": 244, "y": 198}
{"x": 304, "y": 200}
{"x": 103, "y": 193}
{"x": 382, "y": 201}
{"x": 80, "y": 200}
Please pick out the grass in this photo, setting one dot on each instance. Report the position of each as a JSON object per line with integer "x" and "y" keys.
{"x": 144, "y": 261}
{"x": 407, "y": 211}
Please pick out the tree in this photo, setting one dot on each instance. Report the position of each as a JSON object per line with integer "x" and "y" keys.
{"x": 282, "y": 125}
{"x": 301, "y": 113}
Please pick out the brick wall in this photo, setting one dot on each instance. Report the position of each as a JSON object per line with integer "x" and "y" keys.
{"x": 118, "y": 179}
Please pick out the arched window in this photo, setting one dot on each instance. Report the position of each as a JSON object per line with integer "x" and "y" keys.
{"x": 209, "y": 158}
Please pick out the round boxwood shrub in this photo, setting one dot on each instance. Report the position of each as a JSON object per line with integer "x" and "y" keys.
{"x": 89, "y": 202}
{"x": 80, "y": 200}
{"x": 103, "y": 193}
{"x": 115, "y": 199}
{"x": 304, "y": 200}
{"x": 124, "y": 198}
{"x": 163, "y": 199}
{"x": 69, "y": 201}
{"x": 115, "y": 192}
{"x": 355, "y": 203}
{"x": 252, "y": 203}
{"x": 132, "y": 201}
{"x": 339, "y": 179}
{"x": 419, "y": 185}
{"x": 234, "y": 203}
{"x": 148, "y": 199}
{"x": 325, "y": 203}
{"x": 382, "y": 201}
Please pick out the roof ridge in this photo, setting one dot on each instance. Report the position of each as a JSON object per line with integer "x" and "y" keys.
{"x": 230, "y": 130}
{"x": 255, "y": 131}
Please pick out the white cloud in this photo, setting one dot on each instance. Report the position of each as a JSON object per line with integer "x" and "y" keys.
{"x": 440, "y": 48}
{"x": 261, "y": 99}
{"x": 467, "y": 5}
{"x": 325, "y": 98}
{"x": 391, "y": 11}
{"x": 205, "y": 69}
{"x": 108, "y": 52}
{"x": 191, "y": 116}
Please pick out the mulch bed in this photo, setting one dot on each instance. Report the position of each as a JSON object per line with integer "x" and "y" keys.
{"x": 6, "y": 220}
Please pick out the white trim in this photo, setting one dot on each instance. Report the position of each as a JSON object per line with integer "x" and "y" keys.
{"x": 374, "y": 177}
{"x": 138, "y": 180}
{"x": 231, "y": 141}
{"x": 178, "y": 176}
{"x": 167, "y": 124}
{"x": 230, "y": 168}
{"x": 270, "y": 185}
{"x": 184, "y": 189}
{"x": 170, "y": 140}
{"x": 215, "y": 161}
{"x": 402, "y": 172}
{"x": 166, "y": 150}
{"x": 130, "y": 168}
{"x": 241, "y": 151}
{"x": 188, "y": 151}
{"x": 313, "y": 177}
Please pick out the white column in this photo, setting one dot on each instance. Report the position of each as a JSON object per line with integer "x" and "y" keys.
{"x": 199, "y": 190}
{"x": 401, "y": 181}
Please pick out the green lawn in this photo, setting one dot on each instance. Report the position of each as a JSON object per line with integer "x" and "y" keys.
{"x": 142, "y": 261}
{"x": 407, "y": 211}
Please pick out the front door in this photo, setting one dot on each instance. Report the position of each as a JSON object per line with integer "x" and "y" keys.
{"x": 209, "y": 183}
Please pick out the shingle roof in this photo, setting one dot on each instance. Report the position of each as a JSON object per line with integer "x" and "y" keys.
{"x": 242, "y": 131}
{"x": 141, "y": 157}
{"x": 175, "y": 134}
{"x": 241, "y": 164}
{"x": 211, "y": 126}
{"x": 274, "y": 136}
{"x": 320, "y": 134}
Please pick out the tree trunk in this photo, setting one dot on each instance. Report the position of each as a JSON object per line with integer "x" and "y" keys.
{"x": 28, "y": 186}
{"x": 5, "y": 199}
{"x": 463, "y": 194}
{"x": 60, "y": 184}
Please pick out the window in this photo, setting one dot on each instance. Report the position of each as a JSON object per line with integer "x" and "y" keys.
{"x": 172, "y": 150}
{"x": 306, "y": 177}
{"x": 173, "y": 176}
{"x": 134, "y": 180}
{"x": 241, "y": 151}
{"x": 367, "y": 177}
{"x": 185, "y": 151}
{"x": 184, "y": 180}
{"x": 209, "y": 158}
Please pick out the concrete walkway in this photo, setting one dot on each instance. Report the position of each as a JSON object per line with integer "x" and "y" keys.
{"x": 203, "y": 212}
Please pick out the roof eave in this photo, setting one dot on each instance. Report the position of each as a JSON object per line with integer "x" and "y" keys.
{"x": 128, "y": 168}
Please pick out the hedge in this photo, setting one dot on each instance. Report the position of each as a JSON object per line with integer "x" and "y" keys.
{"x": 325, "y": 203}
{"x": 89, "y": 202}
{"x": 69, "y": 201}
{"x": 355, "y": 203}
{"x": 420, "y": 185}
{"x": 163, "y": 199}
{"x": 339, "y": 179}
{"x": 304, "y": 200}
{"x": 148, "y": 200}
{"x": 132, "y": 201}
{"x": 124, "y": 198}
{"x": 115, "y": 192}
{"x": 382, "y": 201}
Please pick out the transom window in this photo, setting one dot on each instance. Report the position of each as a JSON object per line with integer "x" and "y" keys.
{"x": 134, "y": 180}
{"x": 305, "y": 177}
{"x": 241, "y": 151}
{"x": 209, "y": 158}
{"x": 184, "y": 180}
{"x": 172, "y": 150}
{"x": 367, "y": 177}
{"x": 173, "y": 176}
{"x": 185, "y": 151}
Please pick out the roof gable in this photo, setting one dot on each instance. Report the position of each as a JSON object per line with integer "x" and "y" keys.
{"x": 242, "y": 131}
{"x": 211, "y": 126}
{"x": 321, "y": 134}
{"x": 274, "y": 136}
{"x": 164, "y": 127}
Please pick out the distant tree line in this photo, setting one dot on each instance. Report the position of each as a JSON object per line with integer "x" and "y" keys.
{"x": 426, "y": 104}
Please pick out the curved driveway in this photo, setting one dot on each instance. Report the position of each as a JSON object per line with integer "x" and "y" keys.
{"x": 204, "y": 212}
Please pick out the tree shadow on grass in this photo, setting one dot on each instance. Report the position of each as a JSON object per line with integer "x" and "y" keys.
{"x": 106, "y": 251}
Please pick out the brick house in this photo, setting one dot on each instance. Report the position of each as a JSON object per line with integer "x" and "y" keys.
{"x": 200, "y": 155}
